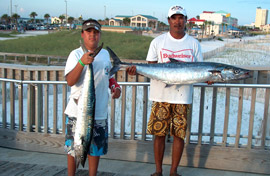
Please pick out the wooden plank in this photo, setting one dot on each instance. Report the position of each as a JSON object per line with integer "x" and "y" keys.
{"x": 123, "y": 106}
{"x": 64, "y": 104}
{"x": 226, "y": 117}
{"x": 200, "y": 128}
{"x": 30, "y": 104}
{"x": 252, "y": 110}
{"x": 13, "y": 169}
{"x": 20, "y": 97}
{"x": 213, "y": 116}
{"x": 266, "y": 113}
{"x": 12, "y": 100}
{"x": 145, "y": 106}
{"x": 43, "y": 170}
{"x": 46, "y": 103}
{"x": 133, "y": 108}
{"x": 239, "y": 116}
{"x": 38, "y": 105}
{"x": 112, "y": 131}
{"x": 4, "y": 99}
{"x": 55, "y": 102}
{"x": 189, "y": 120}
{"x": 205, "y": 156}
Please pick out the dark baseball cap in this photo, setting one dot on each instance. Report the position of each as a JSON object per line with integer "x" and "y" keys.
{"x": 91, "y": 24}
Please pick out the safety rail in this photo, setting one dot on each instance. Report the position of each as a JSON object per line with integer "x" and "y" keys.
{"x": 33, "y": 119}
{"x": 38, "y": 106}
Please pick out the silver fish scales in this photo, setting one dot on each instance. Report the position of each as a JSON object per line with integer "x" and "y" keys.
{"x": 86, "y": 113}
{"x": 176, "y": 72}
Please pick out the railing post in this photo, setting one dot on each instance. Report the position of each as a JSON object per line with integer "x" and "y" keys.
{"x": 20, "y": 94}
{"x": 252, "y": 110}
{"x": 200, "y": 130}
{"x": 48, "y": 61}
{"x": 46, "y": 102}
{"x": 38, "y": 103}
{"x": 123, "y": 106}
{"x": 144, "y": 118}
{"x": 30, "y": 104}
{"x": 4, "y": 99}
{"x": 266, "y": 115}
{"x": 12, "y": 101}
{"x": 55, "y": 103}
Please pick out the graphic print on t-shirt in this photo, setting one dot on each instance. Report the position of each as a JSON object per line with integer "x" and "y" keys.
{"x": 181, "y": 55}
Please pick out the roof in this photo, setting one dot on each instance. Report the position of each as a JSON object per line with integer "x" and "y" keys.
{"x": 147, "y": 16}
{"x": 195, "y": 20}
{"x": 208, "y": 12}
{"x": 123, "y": 16}
{"x": 116, "y": 19}
{"x": 222, "y": 12}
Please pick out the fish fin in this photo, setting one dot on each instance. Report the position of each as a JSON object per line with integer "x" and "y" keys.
{"x": 116, "y": 61}
{"x": 173, "y": 60}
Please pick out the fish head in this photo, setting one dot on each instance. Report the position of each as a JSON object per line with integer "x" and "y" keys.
{"x": 230, "y": 73}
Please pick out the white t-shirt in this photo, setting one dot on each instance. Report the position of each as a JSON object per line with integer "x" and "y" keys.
{"x": 101, "y": 66}
{"x": 161, "y": 49}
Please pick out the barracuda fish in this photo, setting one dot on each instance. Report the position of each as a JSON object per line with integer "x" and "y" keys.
{"x": 86, "y": 113}
{"x": 176, "y": 72}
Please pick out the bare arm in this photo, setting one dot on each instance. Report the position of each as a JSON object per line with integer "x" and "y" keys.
{"x": 73, "y": 76}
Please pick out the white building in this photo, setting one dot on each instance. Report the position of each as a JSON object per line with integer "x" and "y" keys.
{"x": 218, "y": 22}
{"x": 137, "y": 21}
{"x": 261, "y": 17}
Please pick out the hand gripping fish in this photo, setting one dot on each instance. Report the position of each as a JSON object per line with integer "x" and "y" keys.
{"x": 86, "y": 113}
{"x": 176, "y": 72}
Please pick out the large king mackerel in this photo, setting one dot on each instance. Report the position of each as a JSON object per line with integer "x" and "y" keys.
{"x": 176, "y": 72}
{"x": 86, "y": 113}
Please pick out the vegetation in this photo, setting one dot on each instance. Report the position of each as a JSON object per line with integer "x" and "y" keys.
{"x": 126, "y": 46}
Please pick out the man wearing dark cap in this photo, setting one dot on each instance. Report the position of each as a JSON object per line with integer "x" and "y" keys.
{"x": 171, "y": 104}
{"x": 75, "y": 70}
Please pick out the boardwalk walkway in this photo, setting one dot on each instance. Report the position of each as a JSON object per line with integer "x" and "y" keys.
{"x": 25, "y": 163}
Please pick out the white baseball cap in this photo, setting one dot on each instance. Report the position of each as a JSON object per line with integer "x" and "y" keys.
{"x": 176, "y": 10}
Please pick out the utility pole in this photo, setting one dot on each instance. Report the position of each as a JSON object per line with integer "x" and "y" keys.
{"x": 66, "y": 11}
{"x": 16, "y": 8}
{"x": 10, "y": 8}
{"x": 104, "y": 12}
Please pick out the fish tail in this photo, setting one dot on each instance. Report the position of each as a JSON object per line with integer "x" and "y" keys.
{"x": 116, "y": 61}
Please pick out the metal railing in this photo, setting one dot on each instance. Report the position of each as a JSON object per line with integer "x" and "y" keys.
{"x": 129, "y": 113}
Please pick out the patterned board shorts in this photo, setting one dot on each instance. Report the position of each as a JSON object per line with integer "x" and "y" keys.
{"x": 167, "y": 117}
{"x": 99, "y": 143}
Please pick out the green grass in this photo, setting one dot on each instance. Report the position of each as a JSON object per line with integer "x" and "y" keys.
{"x": 126, "y": 46}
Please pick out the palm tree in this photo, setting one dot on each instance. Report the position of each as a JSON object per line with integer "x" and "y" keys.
{"x": 33, "y": 15}
{"x": 80, "y": 19}
{"x": 222, "y": 25}
{"x": 47, "y": 16}
{"x": 62, "y": 17}
{"x": 5, "y": 18}
{"x": 15, "y": 17}
{"x": 126, "y": 21}
{"x": 205, "y": 26}
{"x": 70, "y": 20}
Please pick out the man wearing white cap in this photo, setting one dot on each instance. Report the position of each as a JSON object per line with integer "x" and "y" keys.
{"x": 171, "y": 104}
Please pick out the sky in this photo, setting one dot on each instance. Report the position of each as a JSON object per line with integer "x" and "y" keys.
{"x": 243, "y": 10}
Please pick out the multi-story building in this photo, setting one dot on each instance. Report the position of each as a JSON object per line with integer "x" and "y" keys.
{"x": 218, "y": 22}
{"x": 261, "y": 17}
{"x": 137, "y": 21}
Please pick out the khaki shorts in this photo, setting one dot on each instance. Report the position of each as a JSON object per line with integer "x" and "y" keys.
{"x": 167, "y": 117}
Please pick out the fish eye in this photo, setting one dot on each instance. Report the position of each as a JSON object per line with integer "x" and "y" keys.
{"x": 236, "y": 71}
